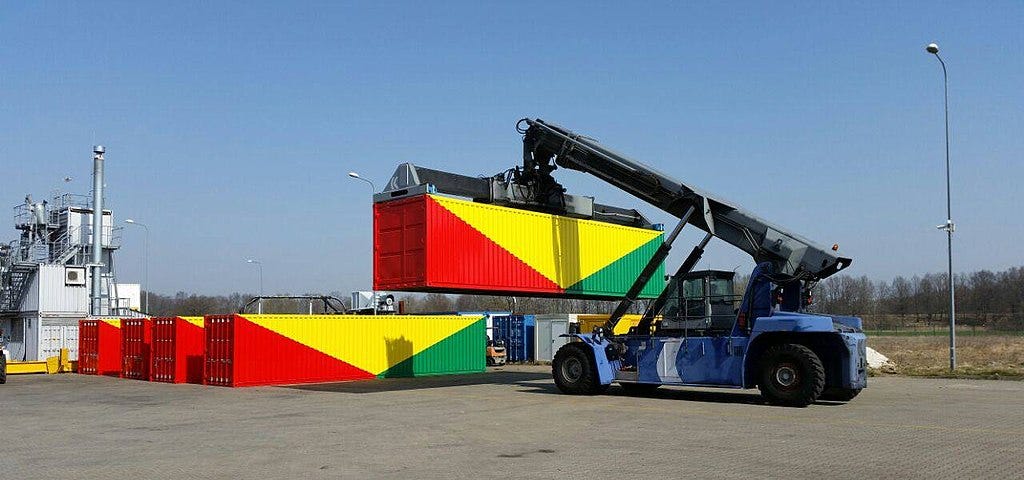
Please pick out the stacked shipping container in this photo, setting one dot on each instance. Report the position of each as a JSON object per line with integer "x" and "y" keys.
{"x": 178, "y": 349}
{"x": 99, "y": 347}
{"x": 246, "y": 350}
{"x": 517, "y": 332}
{"x": 436, "y": 243}
{"x": 136, "y": 339}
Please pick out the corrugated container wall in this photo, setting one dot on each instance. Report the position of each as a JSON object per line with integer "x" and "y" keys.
{"x": 178, "y": 346}
{"x": 99, "y": 347}
{"x": 49, "y": 293}
{"x": 436, "y": 243}
{"x": 245, "y": 350}
{"x": 518, "y": 334}
{"x": 136, "y": 338}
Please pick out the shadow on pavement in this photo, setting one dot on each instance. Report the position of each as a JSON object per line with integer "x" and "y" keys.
{"x": 420, "y": 383}
{"x": 674, "y": 394}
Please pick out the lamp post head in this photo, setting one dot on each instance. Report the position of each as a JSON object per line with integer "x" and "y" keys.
{"x": 354, "y": 175}
{"x": 128, "y": 220}
{"x": 249, "y": 260}
{"x": 932, "y": 48}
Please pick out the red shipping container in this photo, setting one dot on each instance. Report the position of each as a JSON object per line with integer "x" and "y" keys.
{"x": 136, "y": 337}
{"x": 99, "y": 347}
{"x": 240, "y": 353}
{"x": 178, "y": 346}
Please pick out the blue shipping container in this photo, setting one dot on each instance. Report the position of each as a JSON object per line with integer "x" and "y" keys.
{"x": 517, "y": 331}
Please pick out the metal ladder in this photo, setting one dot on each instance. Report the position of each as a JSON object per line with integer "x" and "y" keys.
{"x": 19, "y": 278}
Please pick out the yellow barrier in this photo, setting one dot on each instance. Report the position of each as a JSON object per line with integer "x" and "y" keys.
{"x": 56, "y": 364}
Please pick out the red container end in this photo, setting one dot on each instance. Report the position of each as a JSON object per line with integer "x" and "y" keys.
{"x": 240, "y": 353}
{"x": 400, "y": 244}
{"x": 136, "y": 338}
{"x": 99, "y": 347}
{"x": 420, "y": 246}
{"x": 178, "y": 346}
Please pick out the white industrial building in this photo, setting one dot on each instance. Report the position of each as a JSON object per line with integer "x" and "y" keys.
{"x": 46, "y": 275}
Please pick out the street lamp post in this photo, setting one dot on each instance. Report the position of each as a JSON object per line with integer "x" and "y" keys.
{"x": 357, "y": 177}
{"x": 145, "y": 258}
{"x": 259, "y": 305}
{"x": 949, "y": 227}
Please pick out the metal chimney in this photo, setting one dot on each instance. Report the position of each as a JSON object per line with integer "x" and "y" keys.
{"x": 96, "y": 294}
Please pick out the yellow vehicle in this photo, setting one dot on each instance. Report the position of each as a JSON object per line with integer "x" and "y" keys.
{"x": 496, "y": 354}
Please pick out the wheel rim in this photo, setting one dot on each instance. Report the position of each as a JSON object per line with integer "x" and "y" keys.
{"x": 572, "y": 370}
{"x": 787, "y": 376}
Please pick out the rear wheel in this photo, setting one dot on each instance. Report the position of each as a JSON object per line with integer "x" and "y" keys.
{"x": 639, "y": 388}
{"x": 574, "y": 371}
{"x": 791, "y": 375}
{"x": 836, "y": 394}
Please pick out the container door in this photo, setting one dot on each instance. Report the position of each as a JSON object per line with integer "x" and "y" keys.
{"x": 8, "y": 336}
{"x": 71, "y": 341}
{"x": 544, "y": 353}
{"x": 558, "y": 328}
{"x": 51, "y": 338}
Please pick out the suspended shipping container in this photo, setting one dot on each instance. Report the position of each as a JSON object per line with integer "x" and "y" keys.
{"x": 99, "y": 347}
{"x": 436, "y": 243}
{"x": 178, "y": 346}
{"x": 517, "y": 332}
{"x": 247, "y": 350}
{"x": 136, "y": 338}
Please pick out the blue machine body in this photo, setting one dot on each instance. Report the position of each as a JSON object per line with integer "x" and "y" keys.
{"x": 731, "y": 360}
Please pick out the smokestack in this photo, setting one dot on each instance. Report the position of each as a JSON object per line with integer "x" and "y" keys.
{"x": 97, "y": 230}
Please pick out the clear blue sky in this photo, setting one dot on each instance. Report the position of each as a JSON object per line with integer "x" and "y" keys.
{"x": 230, "y": 126}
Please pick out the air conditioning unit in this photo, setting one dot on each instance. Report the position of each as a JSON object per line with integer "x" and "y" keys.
{"x": 74, "y": 276}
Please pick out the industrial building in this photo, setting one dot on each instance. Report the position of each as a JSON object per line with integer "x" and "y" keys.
{"x": 60, "y": 270}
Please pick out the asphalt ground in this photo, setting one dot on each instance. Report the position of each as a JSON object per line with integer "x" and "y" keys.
{"x": 507, "y": 423}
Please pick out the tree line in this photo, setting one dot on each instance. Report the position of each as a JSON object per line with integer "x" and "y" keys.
{"x": 984, "y": 298}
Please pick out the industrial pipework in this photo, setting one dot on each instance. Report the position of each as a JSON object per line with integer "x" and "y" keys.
{"x": 96, "y": 294}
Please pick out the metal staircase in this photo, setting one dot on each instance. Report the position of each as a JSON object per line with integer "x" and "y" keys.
{"x": 15, "y": 284}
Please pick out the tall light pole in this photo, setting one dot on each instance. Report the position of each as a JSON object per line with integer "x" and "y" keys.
{"x": 145, "y": 258}
{"x": 949, "y": 227}
{"x": 357, "y": 177}
{"x": 259, "y": 305}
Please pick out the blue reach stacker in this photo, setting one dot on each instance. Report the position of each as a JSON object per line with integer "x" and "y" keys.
{"x": 693, "y": 333}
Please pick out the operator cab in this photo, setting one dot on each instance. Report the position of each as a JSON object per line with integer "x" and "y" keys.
{"x": 701, "y": 303}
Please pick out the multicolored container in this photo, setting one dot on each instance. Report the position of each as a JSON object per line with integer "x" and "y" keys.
{"x": 248, "y": 350}
{"x": 178, "y": 346}
{"x": 99, "y": 347}
{"x": 437, "y": 243}
{"x": 136, "y": 340}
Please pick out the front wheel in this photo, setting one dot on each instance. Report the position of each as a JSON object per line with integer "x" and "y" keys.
{"x": 791, "y": 375}
{"x": 574, "y": 371}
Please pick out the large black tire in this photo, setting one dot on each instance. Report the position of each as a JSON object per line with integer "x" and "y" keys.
{"x": 639, "y": 388}
{"x": 3, "y": 368}
{"x": 836, "y": 394}
{"x": 791, "y": 375}
{"x": 574, "y": 371}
